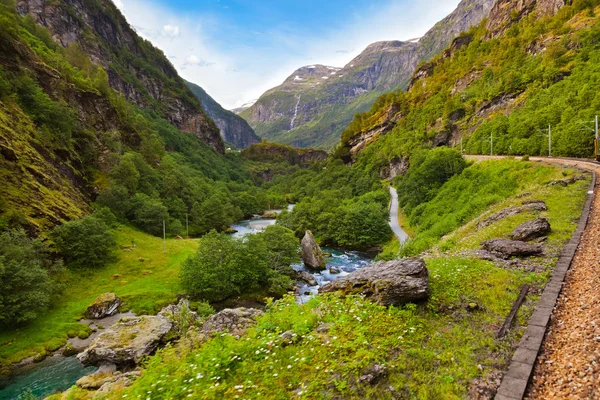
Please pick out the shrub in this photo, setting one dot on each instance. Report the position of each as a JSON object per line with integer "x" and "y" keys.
{"x": 25, "y": 284}
{"x": 85, "y": 243}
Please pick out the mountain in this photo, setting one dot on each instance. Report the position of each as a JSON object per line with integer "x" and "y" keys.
{"x": 89, "y": 112}
{"x": 315, "y": 103}
{"x": 234, "y": 129}
{"x": 531, "y": 65}
{"x": 243, "y": 107}
{"x": 135, "y": 68}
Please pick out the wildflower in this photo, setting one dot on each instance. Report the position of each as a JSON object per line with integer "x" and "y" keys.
{"x": 275, "y": 374}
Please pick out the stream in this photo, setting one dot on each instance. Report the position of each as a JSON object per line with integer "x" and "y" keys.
{"x": 58, "y": 373}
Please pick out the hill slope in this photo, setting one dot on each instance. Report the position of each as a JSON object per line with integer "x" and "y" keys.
{"x": 532, "y": 65}
{"x": 314, "y": 104}
{"x": 234, "y": 129}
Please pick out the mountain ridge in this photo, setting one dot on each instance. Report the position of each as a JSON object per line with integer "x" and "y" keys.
{"x": 326, "y": 108}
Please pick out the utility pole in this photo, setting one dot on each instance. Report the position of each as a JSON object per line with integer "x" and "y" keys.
{"x": 461, "y": 145}
{"x": 164, "y": 236}
{"x": 491, "y": 144}
{"x": 187, "y": 227}
{"x": 549, "y": 141}
{"x": 597, "y": 137}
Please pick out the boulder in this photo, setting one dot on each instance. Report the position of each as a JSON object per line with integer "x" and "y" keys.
{"x": 505, "y": 248}
{"x": 105, "y": 305}
{"x": 531, "y": 230}
{"x": 373, "y": 374}
{"x": 127, "y": 342}
{"x": 312, "y": 255}
{"x": 386, "y": 282}
{"x": 179, "y": 313}
{"x": 334, "y": 270}
{"x": 270, "y": 215}
{"x": 233, "y": 321}
{"x": 307, "y": 278}
{"x": 530, "y": 205}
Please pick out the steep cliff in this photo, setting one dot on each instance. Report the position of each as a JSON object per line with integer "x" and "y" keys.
{"x": 314, "y": 104}
{"x": 137, "y": 69}
{"x": 234, "y": 129}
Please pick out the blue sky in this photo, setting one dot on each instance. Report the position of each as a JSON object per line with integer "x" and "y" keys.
{"x": 238, "y": 49}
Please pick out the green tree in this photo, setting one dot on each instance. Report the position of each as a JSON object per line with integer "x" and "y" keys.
{"x": 85, "y": 243}
{"x": 149, "y": 214}
{"x": 25, "y": 284}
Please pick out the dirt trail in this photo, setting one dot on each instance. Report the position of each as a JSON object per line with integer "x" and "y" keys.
{"x": 568, "y": 365}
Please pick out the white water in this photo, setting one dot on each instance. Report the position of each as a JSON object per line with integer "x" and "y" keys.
{"x": 295, "y": 111}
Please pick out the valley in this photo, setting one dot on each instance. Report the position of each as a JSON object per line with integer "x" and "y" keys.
{"x": 346, "y": 236}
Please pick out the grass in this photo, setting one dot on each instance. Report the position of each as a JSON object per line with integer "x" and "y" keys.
{"x": 432, "y": 350}
{"x": 144, "y": 286}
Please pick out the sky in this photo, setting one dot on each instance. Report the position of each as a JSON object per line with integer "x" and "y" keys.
{"x": 238, "y": 49}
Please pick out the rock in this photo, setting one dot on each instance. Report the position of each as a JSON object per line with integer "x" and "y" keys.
{"x": 567, "y": 182}
{"x": 105, "y": 305}
{"x": 127, "y": 342}
{"x": 373, "y": 374}
{"x": 334, "y": 270}
{"x": 307, "y": 278}
{"x": 505, "y": 248}
{"x": 312, "y": 255}
{"x": 106, "y": 373}
{"x": 176, "y": 313}
{"x": 386, "y": 282}
{"x": 289, "y": 338}
{"x": 69, "y": 350}
{"x": 324, "y": 327}
{"x": 269, "y": 215}
{"x": 233, "y": 321}
{"x": 531, "y": 230}
{"x": 531, "y": 205}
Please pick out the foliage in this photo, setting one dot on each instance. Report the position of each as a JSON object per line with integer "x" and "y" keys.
{"x": 428, "y": 171}
{"x": 85, "y": 243}
{"x": 25, "y": 278}
{"x": 225, "y": 266}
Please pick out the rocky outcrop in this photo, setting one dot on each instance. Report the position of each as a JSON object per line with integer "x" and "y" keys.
{"x": 305, "y": 101}
{"x": 273, "y": 152}
{"x": 566, "y": 182}
{"x": 234, "y": 129}
{"x": 102, "y": 32}
{"x": 233, "y": 321}
{"x": 506, "y": 12}
{"x": 531, "y": 230}
{"x": 386, "y": 282}
{"x": 532, "y": 205}
{"x": 505, "y": 248}
{"x": 127, "y": 343}
{"x": 105, "y": 305}
{"x": 312, "y": 255}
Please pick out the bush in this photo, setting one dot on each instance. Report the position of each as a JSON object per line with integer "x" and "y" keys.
{"x": 85, "y": 243}
{"x": 225, "y": 266}
{"x": 25, "y": 285}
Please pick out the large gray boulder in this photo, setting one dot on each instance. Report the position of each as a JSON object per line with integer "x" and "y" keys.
{"x": 531, "y": 230}
{"x": 312, "y": 255}
{"x": 386, "y": 282}
{"x": 105, "y": 305}
{"x": 233, "y": 321}
{"x": 127, "y": 342}
{"x": 505, "y": 248}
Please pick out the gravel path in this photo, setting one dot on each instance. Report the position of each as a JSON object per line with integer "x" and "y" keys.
{"x": 568, "y": 365}
{"x": 394, "y": 224}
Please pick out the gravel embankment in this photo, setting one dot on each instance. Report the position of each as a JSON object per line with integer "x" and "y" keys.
{"x": 568, "y": 365}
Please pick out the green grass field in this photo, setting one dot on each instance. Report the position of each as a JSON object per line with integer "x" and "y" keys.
{"x": 432, "y": 350}
{"x": 145, "y": 286}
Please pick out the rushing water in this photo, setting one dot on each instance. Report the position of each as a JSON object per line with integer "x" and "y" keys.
{"x": 340, "y": 260}
{"x": 54, "y": 374}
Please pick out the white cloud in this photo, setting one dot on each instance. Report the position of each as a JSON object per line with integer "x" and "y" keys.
{"x": 170, "y": 31}
{"x": 234, "y": 73}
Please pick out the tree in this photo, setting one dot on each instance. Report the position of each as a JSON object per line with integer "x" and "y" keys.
{"x": 282, "y": 247}
{"x": 149, "y": 214}
{"x": 84, "y": 243}
{"x": 25, "y": 284}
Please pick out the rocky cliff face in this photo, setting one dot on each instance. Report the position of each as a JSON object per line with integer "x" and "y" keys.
{"x": 314, "y": 104}
{"x": 506, "y": 12}
{"x": 139, "y": 71}
{"x": 234, "y": 129}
